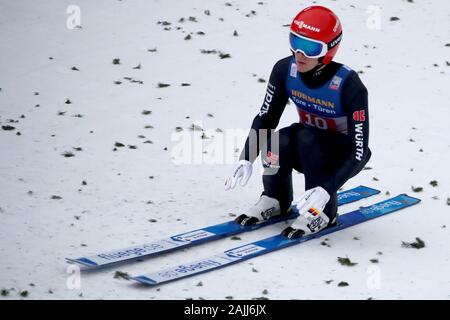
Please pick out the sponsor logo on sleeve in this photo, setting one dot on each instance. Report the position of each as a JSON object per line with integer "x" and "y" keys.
{"x": 359, "y": 115}
{"x": 270, "y": 160}
{"x": 359, "y": 141}
{"x": 267, "y": 100}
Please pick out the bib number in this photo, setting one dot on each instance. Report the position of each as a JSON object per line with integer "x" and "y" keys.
{"x": 316, "y": 121}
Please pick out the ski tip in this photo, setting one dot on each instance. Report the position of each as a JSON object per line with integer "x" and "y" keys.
{"x": 412, "y": 199}
{"x": 83, "y": 261}
{"x": 369, "y": 189}
{"x": 144, "y": 280}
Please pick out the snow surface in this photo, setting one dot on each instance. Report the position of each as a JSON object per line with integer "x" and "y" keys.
{"x": 125, "y": 189}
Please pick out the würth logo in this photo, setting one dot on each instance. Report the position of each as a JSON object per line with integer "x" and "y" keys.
{"x": 359, "y": 115}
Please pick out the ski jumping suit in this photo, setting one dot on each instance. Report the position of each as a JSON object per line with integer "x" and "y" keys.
{"x": 329, "y": 144}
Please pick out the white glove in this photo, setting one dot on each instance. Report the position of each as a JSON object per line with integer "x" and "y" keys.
{"x": 315, "y": 199}
{"x": 243, "y": 171}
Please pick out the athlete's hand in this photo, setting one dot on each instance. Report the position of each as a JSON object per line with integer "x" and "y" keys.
{"x": 315, "y": 199}
{"x": 242, "y": 171}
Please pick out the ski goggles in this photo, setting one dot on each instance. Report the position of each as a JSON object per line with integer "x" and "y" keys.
{"x": 310, "y": 47}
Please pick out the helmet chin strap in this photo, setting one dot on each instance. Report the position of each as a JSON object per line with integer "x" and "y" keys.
{"x": 314, "y": 71}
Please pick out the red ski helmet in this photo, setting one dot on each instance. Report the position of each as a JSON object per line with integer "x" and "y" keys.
{"x": 316, "y": 32}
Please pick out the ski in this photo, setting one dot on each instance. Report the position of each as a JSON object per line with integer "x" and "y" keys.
{"x": 195, "y": 237}
{"x": 273, "y": 243}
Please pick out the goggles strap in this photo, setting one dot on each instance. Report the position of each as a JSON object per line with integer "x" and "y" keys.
{"x": 335, "y": 41}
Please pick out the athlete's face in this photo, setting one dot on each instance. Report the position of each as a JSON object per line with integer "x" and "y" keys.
{"x": 305, "y": 64}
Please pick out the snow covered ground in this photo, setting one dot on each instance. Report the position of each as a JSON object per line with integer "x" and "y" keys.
{"x": 101, "y": 197}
